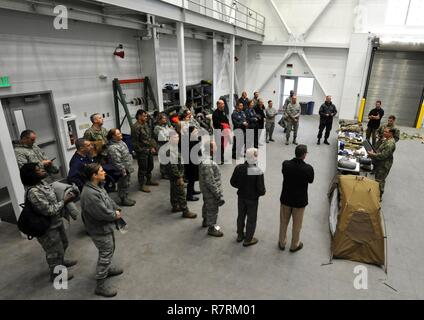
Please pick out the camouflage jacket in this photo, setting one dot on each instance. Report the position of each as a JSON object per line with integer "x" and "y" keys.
{"x": 292, "y": 111}
{"x": 29, "y": 154}
{"x": 119, "y": 155}
{"x": 270, "y": 114}
{"x": 384, "y": 154}
{"x": 142, "y": 137}
{"x": 162, "y": 133}
{"x": 175, "y": 170}
{"x": 210, "y": 180}
{"x": 98, "y": 210}
{"x": 92, "y": 134}
{"x": 380, "y": 132}
{"x": 44, "y": 201}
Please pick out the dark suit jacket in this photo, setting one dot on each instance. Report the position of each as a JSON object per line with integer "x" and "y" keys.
{"x": 296, "y": 176}
{"x": 250, "y": 185}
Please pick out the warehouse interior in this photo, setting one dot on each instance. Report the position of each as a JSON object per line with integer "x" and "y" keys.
{"x": 55, "y": 73}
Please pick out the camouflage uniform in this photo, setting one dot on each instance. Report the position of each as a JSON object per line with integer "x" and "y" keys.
{"x": 143, "y": 142}
{"x": 176, "y": 172}
{"x": 54, "y": 242}
{"x": 33, "y": 154}
{"x": 211, "y": 188}
{"x": 92, "y": 134}
{"x": 270, "y": 122}
{"x": 383, "y": 161}
{"x": 120, "y": 157}
{"x": 380, "y": 132}
{"x": 99, "y": 216}
{"x": 292, "y": 111}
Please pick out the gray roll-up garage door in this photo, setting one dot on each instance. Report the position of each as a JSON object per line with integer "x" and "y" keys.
{"x": 397, "y": 79}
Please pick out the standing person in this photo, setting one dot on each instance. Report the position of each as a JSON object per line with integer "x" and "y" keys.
{"x": 270, "y": 113}
{"x": 239, "y": 126}
{"x": 260, "y": 111}
{"x": 43, "y": 200}
{"x": 211, "y": 187}
{"x": 252, "y": 120}
{"x": 255, "y": 98}
{"x": 121, "y": 159}
{"x": 79, "y": 160}
{"x": 380, "y": 132}
{"x": 176, "y": 178}
{"x": 297, "y": 174}
{"x": 190, "y": 132}
{"x": 162, "y": 130}
{"x": 283, "y": 119}
{"x": 244, "y": 99}
{"x": 327, "y": 111}
{"x": 248, "y": 178}
{"x": 144, "y": 147}
{"x": 220, "y": 122}
{"x": 100, "y": 214}
{"x": 383, "y": 158}
{"x": 374, "y": 117}
{"x": 97, "y": 134}
{"x": 27, "y": 151}
{"x": 292, "y": 115}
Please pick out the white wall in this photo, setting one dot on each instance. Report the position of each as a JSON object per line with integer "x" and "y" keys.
{"x": 37, "y": 58}
{"x": 169, "y": 60}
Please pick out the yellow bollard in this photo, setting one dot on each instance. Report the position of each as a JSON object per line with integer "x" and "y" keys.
{"x": 361, "y": 110}
{"x": 420, "y": 117}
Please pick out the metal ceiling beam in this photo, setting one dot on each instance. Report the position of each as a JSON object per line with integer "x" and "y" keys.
{"x": 302, "y": 55}
{"x": 304, "y": 44}
{"x": 79, "y": 13}
{"x": 177, "y": 14}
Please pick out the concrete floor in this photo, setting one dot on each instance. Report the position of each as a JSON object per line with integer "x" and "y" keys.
{"x": 167, "y": 257}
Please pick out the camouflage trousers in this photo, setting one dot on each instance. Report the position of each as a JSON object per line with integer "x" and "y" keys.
{"x": 291, "y": 125}
{"x": 210, "y": 210}
{"x": 381, "y": 173}
{"x": 124, "y": 185}
{"x": 105, "y": 243}
{"x": 269, "y": 127}
{"x": 178, "y": 195}
{"x": 145, "y": 167}
{"x": 54, "y": 243}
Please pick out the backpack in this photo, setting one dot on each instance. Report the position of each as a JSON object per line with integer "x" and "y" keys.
{"x": 31, "y": 223}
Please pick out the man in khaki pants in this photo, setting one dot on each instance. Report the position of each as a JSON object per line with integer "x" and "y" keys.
{"x": 294, "y": 197}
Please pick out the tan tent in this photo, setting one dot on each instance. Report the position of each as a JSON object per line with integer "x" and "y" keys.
{"x": 356, "y": 221}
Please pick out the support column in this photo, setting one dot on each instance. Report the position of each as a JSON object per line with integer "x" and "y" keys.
{"x": 9, "y": 167}
{"x": 215, "y": 70}
{"x": 232, "y": 72}
{"x": 156, "y": 49}
{"x": 181, "y": 63}
{"x": 244, "y": 56}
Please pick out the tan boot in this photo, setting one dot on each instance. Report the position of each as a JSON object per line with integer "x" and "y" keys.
{"x": 144, "y": 188}
{"x": 188, "y": 214}
{"x": 103, "y": 290}
{"x": 152, "y": 183}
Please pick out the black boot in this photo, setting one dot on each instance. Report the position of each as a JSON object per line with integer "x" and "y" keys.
{"x": 319, "y": 141}
{"x": 326, "y": 142}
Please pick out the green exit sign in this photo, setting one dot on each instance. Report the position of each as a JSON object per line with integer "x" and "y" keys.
{"x": 289, "y": 72}
{"x": 4, "y": 82}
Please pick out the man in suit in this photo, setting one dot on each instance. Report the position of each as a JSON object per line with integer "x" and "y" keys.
{"x": 294, "y": 197}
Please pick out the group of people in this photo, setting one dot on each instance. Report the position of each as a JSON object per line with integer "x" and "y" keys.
{"x": 101, "y": 148}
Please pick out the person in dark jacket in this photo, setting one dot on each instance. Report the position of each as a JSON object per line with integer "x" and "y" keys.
{"x": 239, "y": 126}
{"x": 327, "y": 111}
{"x": 294, "y": 197}
{"x": 252, "y": 120}
{"x": 244, "y": 99}
{"x": 43, "y": 200}
{"x": 248, "y": 178}
{"x": 100, "y": 214}
{"x": 79, "y": 160}
{"x": 219, "y": 119}
{"x": 260, "y": 111}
